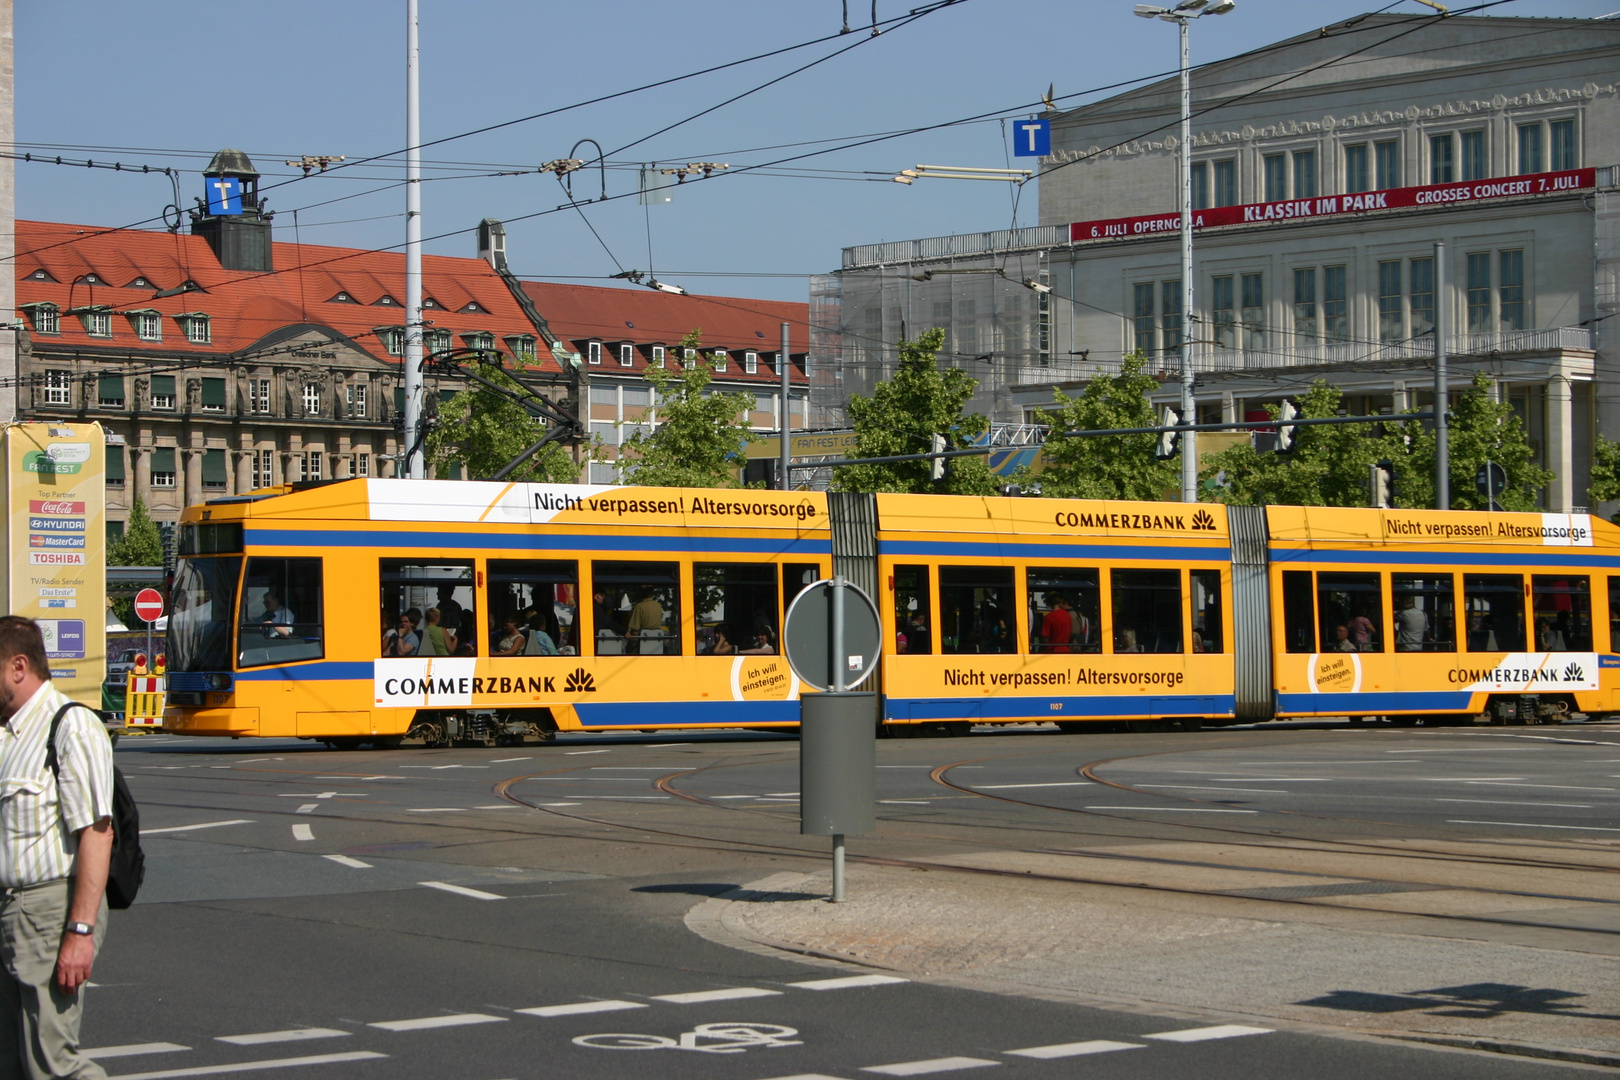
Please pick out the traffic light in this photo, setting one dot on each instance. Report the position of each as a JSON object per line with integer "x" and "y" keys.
{"x": 1169, "y": 441}
{"x": 1382, "y": 484}
{"x": 937, "y": 465}
{"x": 1285, "y": 431}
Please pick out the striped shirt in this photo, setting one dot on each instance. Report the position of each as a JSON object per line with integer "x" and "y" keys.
{"x": 39, "y": 816}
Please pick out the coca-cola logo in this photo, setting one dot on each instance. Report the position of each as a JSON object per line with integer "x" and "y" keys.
{"x": 54, "y": 506}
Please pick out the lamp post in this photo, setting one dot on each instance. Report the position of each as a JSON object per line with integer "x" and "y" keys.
{"x": 1183, "y": 14}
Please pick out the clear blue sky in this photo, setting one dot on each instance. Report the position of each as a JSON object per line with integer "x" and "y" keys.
{"x": 167, "y": 82}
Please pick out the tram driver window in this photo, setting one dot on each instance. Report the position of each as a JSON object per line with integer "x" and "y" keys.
{"x": 1206, "y": 611}
{"x": 1350, "y": 610}
{"x": 1147, "y": 611}
{"x": 735, "y": 604}
{"x": 281, "y": 612}
{"x": 1563, "y": 613}
{"x": 541, "y": 597}
{"x": 436, "y": 600}
{"x": 639, "y": 613}
{"x": 1495, "y": 607}
{"x": 913, "y": 617}
{"x": 1299, "y": 612}
{"x": 1425, "y": 613}
{"x": 1065, "y": 607}
{"x": 976, "y": 610}
{"x": 1614, "y": 614}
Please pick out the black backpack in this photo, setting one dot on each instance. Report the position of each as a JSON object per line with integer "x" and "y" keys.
{"x": 128, "y": 866}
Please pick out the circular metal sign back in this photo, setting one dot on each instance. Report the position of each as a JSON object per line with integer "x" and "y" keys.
{"x": 807, "y": 636}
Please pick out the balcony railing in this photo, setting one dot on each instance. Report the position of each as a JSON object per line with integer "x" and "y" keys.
{"x": 944, "y": 247}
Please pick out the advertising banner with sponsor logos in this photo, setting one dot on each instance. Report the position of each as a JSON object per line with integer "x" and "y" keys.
{"x": 56, "y": 533}
{"x": 1327, "y": 207}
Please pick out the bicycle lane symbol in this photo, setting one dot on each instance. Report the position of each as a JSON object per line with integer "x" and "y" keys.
{"x": 728, "y": 1037}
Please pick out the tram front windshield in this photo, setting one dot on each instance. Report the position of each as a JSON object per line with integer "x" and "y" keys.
{"x": 204, "y": 601}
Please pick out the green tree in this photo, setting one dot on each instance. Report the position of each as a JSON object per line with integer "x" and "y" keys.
{"x": 481, "y": 431}
{"x": 702, "y": 436}
{"x": 904, "y": 414}
{"x": 1328, "y": 465}
{"x": 1605, "y": 471}
{"x": 141, "y": 544}
{"x": 1107, "y": 466}
{"x": 1481, "y": 429}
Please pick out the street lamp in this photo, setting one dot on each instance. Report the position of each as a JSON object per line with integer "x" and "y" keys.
{"x": 1182, "y": 14}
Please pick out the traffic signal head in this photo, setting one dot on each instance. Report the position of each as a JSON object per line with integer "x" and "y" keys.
{"x": 1169, "y": 441}
{"x": 1285, "y": 430}
{"x": 937, "y": 465}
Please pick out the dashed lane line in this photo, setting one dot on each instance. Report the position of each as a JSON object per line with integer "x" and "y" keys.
{"x": 259, "y": 1038}
{"x": 132, "y": 1050}
{"x": 1065, "y": 783}
{"x": 200, "y": 825}
{"x": 344, "y": 860}
{"x": 308, "y": 808}
{"x": 504, "y": 760}
{"x": 806, "y": 1076}
{"x": 932, "y": 1065}
{"x": 580, "y": 1008}
{"x": 849, "y": 982}
{"x": 435, "y": 809}
{"x": 1510, "y": 802}
{"x": 1205, "y": 1034}
{"x": 252, "y": 1066}
{"x": 1529, "y": 825}
{"x": 1074, "y": 1049}
{"x": 303, "y": 832}
{"x": 733, "y": 993}
{"x": 576, "y": 753}
{"x": 461, "y": 890}
{"x": 423, "y": 1023}
{"x": 1173, "y": 809}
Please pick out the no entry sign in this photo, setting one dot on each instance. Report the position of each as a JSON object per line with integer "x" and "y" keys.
{"x": 149, "y": 605}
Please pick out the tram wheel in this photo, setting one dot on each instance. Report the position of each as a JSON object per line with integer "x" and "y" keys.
{"x": 345, "y": 743}
{"x": 1073, "y": 727}
{"x": 958, "y": 728}
{"x": 390, "y": 743}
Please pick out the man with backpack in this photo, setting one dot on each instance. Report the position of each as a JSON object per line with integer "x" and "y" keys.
{"x": 56, "y": 842}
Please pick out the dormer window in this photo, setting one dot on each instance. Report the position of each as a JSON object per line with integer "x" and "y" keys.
{"x": 342, "y": 298}
{"x": 593, "y": 352}
{"x": 97, "y": 321}
{"x": 139, "y": 283}
{"x": 429, "y": 302}
{"x": 627, "y": 355}
{"x": 39, "y": 275}
{"x": 751, "y": 362}
{"x": 483, "y": 341}
{"x": 147, "y": 324}
{"x": 195, "y": 326}
{"x": 386, "y": 301}
{"x": 522, "y": 347}
{"x": 721, "y": 358}
{"x": 474, "y": 308}
{"x": 437, "y": 341}
{"x": 392, "y": 339}
{"x": 44, "y": 318}
{"x": 92, "y": 278}
{"x": 688, "y": 358}
{"x": 657, "y": 356}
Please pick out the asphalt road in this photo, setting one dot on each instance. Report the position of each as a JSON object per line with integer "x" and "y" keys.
{"x": 518, "y": 912}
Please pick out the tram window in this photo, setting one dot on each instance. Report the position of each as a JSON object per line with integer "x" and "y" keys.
{"x": 1065, "y": 606}
{"x": 412, "y": 588}
{"x": 796, "y": 577}
{"x": 736, "y": 609}
{"x": 1350, "y": 610}
{"x": 203, "y": 597}
{"x": 640, "y": 614}
{"x": 1614, "y": 614}
{"x": 281, "y": 612}
{"x": 976, "y": 610}
{"x": 1147, "y": 611}
{"x": 1206, "y": 611}
{"x": 913, "y": 619}
{"x": 1425, "y": 613}
{"x": 542, "y": 597}
{"x": 1299, "y": 612}
{"x": 1563, "y": 612}
{"x": 1495, "y": 607}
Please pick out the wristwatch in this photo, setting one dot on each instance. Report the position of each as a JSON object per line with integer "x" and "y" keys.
{"x": 83, "y": 929}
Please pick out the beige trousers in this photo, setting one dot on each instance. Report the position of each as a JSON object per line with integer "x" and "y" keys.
{"x": 42, "y": 1041}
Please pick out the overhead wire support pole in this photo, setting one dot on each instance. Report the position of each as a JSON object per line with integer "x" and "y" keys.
{"x": 786, "y": 409}
{"x": 415, "y": 462}
{"x": 1442, "y": 393}
{"x": 1189, "y": 441}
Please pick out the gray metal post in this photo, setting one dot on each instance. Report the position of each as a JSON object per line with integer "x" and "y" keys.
{"x": 1189, "y": 439}
{"x": 1442, "y": 443}
{"x": 413, "y": 459}
{"x": 838, "y": 655}
{"x": 838, "y": 869}
{"x": 786, "y": 409}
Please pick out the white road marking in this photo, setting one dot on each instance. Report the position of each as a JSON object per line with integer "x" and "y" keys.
{"x": 849, "y": 982}
{"x": 1528, "y": 825}
{"x": 251, "y": 760}
{"x": 1204, "y": 1034}
{"x": 497, "y": 806}
{"x": 1452, "y": 750}
{"x": 733, "y": 993}
{"x": 1462, "y": 779}
{"x": 932, "y": 1065}
{"x": 325, "y": 795}
{"x": 377, "y": 777}
{"x": 504, "y": 760}
{"x": 462, "y": 890}
{"x": 735, "y": 796}
{"x": 303, "y": 832}
{"x": 576, "y": 753}
{"x": 422, "y": 1023}
{"x": 308, "y": 808}
{"x": 250, "y": 1066}
{"x": 806, "y": 1076}
{"x": 1277, "y": 779}
{"x": 435, "y": 809}
{"x": 782, "y": 794}
{"x": 559, "y": 804}
{"x": 1192, "y": 787}
{"x": 904, "y": 802}
{"x": 643, "y": 768}
{"x": 132, "y": 1049}
{"x": 1174, "y": 809}
{"x": 579, "y": 1008}
{"x": 1506, "y": 802}
{"x": 201, "y": 825}
{"x": 1554, "y": 787}
{"x": 289, "y": 1035}
{"x": 1074, "y": 1049}
{"x": 1065, "y": 783}
{"x": 344, "y": 860}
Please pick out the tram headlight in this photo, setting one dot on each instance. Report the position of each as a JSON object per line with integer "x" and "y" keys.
{"x": 218, "y": 680}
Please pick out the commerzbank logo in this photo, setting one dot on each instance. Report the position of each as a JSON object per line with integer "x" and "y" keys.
{"x": 1203, "y": 522}
{"x": 579, "y": 682}
{"x": 1574, "y": 673}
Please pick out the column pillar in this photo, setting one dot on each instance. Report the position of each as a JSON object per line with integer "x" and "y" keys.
{"x": 1229, "y": 412}
{"x": 140, "y": 459}
{"x": 1402, "y": 400}
{"x": 193, "y": 473}
{"x": 1560, "y": 441}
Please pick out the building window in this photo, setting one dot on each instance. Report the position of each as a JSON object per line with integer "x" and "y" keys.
{"x": 1304, "y": 174}
{"x": 1335, "y": 304}
{"x": 689, "y": 358}
{"x": 1422, "y": 281}
{"x": 163, "y": 391}
{"x": 1391, "y": 322}
{"x": 1225, "y": 316}
{"x": 214, "y": 470}
{"x": 1200, "y": 185}
{"x": 657, "y": 356}
{"x": 264, "y": 466}
{"x": 163, "y": 467}
{"x": 1473, "y": 155}
{"x": 1305, "y": 306}
{"x": 357, "y": 400}
{"x": 1510, "y": 296}
{"x": 593, "y": 352}
{"x": 1387, "y": 164}
{"x": 1254, "y": 311}
{"x": 437, "y": 341}
{"x": 751, "y": 362}
{"x": 97, "y": 323}
{"x": 627, "y": 355}
{"x": 1355, "y": 168}
{"x": 110, "y": 391}
{"x": 196, "y": 328}
{"x": 148, "y": 325}
{"x": 1171, "y": 327}
{"x": 115, "y": 465}
{"x": 392, "y": 339}
{"x": 46, "y": 318}
{"x": 213, "y": 395}
{"x": 312, "y": 464}
{"x": 721, "y": 359}
{"x": 522, "y": 347}
{"x": 1442, "y": 160}
{"x": 1562, "y": 134}
{"x": 1226, "y": 183}
{"x": 259, "y": 395}
{"x": 1144, "y": 318}
{"x": 1276, "y": 177}
{"x": 58, "y": 388}
{"x": 1479, "y": 292}
{"x": 362, "y": 465}
{"x": 482, "y": 341}
{"x": 312, "y": 399}
{"x": 1530, "y": 148}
